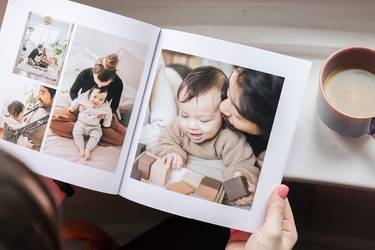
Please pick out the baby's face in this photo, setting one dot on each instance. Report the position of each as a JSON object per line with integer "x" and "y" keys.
{"x": 97, "y": 99}
{"x": 200, "y": 118}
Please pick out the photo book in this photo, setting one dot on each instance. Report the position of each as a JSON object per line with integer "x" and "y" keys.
{"x": 183, "y": 123}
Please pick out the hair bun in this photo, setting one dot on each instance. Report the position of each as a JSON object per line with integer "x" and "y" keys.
{"x": 110, "y": 62}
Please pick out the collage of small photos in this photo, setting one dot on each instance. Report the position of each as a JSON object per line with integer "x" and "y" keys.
{"x": 75, "y": 95}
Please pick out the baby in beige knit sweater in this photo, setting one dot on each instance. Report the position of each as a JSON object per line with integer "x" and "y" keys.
{"x": 198, "y": 129}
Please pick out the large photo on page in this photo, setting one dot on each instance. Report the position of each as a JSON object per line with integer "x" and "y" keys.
{"x": 95, "y": 99}
{"x": 215, "y": 130}
{"x": 213, "y": 123}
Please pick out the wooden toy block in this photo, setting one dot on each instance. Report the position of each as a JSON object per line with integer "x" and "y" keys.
{"x": 144, "y": 162}
{"x": 192, "y": 178}
{"x": 136, "y": 173}
{"x": 236, "y": 188}
{"x": 181, "y": 187}
{"x": 208, "y": 188}
{"x": 159, "y": 173}
{"x": 220, "y": 195}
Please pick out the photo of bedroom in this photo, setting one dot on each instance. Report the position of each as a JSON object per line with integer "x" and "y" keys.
{"x": 43, "y": 48}
{"x": 207, "y": 129}
{"x": 25, "y": 115}
{"x": 95, "y": 99}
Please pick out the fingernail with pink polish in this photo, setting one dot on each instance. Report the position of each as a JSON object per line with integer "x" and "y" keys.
{"x": 283, "y": 191}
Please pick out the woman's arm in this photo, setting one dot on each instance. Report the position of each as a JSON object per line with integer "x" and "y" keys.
{"x": 78, "y": 84}
{"x": 116, "y": 94}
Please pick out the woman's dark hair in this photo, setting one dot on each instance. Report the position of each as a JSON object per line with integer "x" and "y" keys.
{"x": 201, "y": 80}
{"x": 25, "y": 222}
{"x": 15, "y": 108}
{"x": 105, "y": 67}
{"x": 260, "y": 97}
{"x": 51, "y": 91}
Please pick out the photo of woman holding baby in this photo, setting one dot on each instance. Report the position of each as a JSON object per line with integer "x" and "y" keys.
{"x": 212, "y": 143}
{"x": 101, "y": 75}
{"x": 95, "y": 99}
{"x": 250, "y": 107}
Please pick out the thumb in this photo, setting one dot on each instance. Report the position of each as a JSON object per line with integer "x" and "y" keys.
{"x": 276, "y": 206}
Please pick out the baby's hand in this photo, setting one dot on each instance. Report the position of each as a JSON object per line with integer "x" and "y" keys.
{"x": 101, "y": 116}
{"x": 245, "y": 200}
{"x": 30, "y": 144}
{"x": 173, "y": 160}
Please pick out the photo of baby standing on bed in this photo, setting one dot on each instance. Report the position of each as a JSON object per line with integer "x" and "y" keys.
{"x": 200, "y": 149}
{"x": 95, "y": 99}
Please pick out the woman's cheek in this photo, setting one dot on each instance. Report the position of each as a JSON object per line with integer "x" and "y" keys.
{"x": 224, "y": 107}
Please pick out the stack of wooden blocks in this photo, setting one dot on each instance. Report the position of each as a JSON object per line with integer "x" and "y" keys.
{"x": 152, "y": 169}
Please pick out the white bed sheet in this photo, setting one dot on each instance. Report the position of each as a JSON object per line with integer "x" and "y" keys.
{"x": 105, "y": 158}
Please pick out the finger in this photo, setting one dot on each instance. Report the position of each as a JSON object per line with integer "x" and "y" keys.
{"x": 242, "y": 201}
{"x": 275, "y": 211}
{"x": 168, "y": 161}
{"x": 247, "y": 199}
{"x": 174, "y": 162}
{"x": 178, "y": 163}
{"x": 289, "y": 224}
{"x": 251, "y": 188}
{"x": 238, "y": 203}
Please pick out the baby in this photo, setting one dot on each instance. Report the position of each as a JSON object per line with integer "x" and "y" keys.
{"x": 13, "y": 124}
{"x": 93, "y": 107}
{"x": 198, "y": 129}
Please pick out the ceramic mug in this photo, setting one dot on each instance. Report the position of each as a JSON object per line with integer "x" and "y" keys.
{"x": 339, "y": 121}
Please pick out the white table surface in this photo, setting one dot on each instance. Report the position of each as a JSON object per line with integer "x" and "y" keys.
{"x": 319, "y": 154}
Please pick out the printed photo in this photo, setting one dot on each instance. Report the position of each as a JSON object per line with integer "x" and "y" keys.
{"x": 207, "y": 129}
{"x": 95, "y": 99}
{"x": 25, "y": 115}
{"x": 43, "y": 48}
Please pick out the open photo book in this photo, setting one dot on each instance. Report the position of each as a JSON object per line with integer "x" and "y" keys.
{"x": 183, "y": 123}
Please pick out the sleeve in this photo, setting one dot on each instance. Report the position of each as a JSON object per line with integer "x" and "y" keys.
{"x": 170, "y": 142}
{"x": 74, "y": 105}
{"x": 116, "y": 95}
{"x": 108, "y": 117}
{"x": 237, "y": 155}
{"x": 77, "y": 85}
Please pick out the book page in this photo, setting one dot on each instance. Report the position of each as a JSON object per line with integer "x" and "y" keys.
{"x": 217, "y": 128}
{"x": 72, "y": 75}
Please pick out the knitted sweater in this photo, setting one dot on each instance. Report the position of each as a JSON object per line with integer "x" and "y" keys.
{"x": 227, "y": 145}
